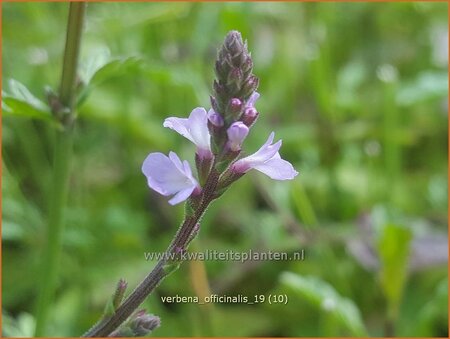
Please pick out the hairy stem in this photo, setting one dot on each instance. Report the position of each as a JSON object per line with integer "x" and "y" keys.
{"x": 154, "y": 278}
{"x": 61, "y": 165}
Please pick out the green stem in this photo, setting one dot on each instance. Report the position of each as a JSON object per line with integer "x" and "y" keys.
{"x": 61, "y": 166}
{"x": 52, "y": 249}
{"x": 71, "y": 53}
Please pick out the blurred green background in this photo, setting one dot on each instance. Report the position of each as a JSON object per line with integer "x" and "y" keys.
{"x": 357, "y": 92}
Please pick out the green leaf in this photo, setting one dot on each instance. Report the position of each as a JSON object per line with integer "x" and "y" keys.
{"x": 114, "y": 68}
{"x": 88, "y": 68}
{"x": 22, "y": 326}
{"x": 101, "y": 68}
{"x": 435, "y": 310}
{"x": 393, "y": 248}
{"x": 326, "y": 298}
{"x": 427, "y": 86}
{"x": 19, "y": 101}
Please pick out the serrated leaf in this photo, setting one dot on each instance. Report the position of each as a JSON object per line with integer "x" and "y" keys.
{"x": 21, "y": 102}
{"x": 327, "y": 299}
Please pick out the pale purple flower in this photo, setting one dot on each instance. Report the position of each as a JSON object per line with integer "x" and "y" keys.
{"x": 237, "y": 132}
{"x": 268, "y": 161}
{"x": 169, "y": 176}
{"x": 194, "y": 128}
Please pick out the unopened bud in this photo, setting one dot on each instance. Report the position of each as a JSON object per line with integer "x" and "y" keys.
{"x": 247, "y": 66}
{"x": 249, "y": 117}
{"x": 216, "y": 130}
{"x": 119, "y": 293}
{"x": 144, "y": 323}
{"x": 235, "y": 77}
{"x": 250, "y": 85}
{"x": 237, "y": 133}
{"x": 140, "y": 324}
{"x": 235, "y": 107}
{"x": 221, "y": 69}
{"x": 215, "y": 118}
{"x": 214, "y": 103}
{"x": 219, "y": 89}
{"x": 233, "y": 42}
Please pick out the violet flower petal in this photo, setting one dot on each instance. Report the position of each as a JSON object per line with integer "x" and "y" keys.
{"x": 268, "y": 161}
{"x": 194, "y": 128}
{"x": 181, "y": 196}
{"x": 169, "y": 176}
{"x": 215, "y": 118}
{"x": 251, "y": 101}
{"x": 265, "y": 152}
{"x": 277, "y": 168}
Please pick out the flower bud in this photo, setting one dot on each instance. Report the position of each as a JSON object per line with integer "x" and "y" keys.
{"x": 144, "y": 323}
{"x": 119, "y": 293}
{"x": 235, "y": 77}
{"x": 239, "y": 58}
{"x": 235, "y": 104}
{"x": 219, "y": 89}
{"x": 250, "y": 85}
{"x": 249, "y": 117}
{"x": 214, "y": 103}
{"x": 215, "y": 118}
{"x": 216, "y": 130}
{"x": 140, "y": 324}
{"x": 220, "y": 70}
{"x": 233, "y": 68}
{"x": 247, "y": 66}
{"x": 235, "y": 107}
{"x": 237, "y": 132}
{"x": 233, "y": 43}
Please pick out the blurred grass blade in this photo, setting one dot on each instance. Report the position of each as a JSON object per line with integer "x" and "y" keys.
{"x": 434, "y": 311}
{"x": 427, "y": 86}
{"x": 325, "y": 298}
{"x": 393, "y": 247}
{"x": 303, "y": 205}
